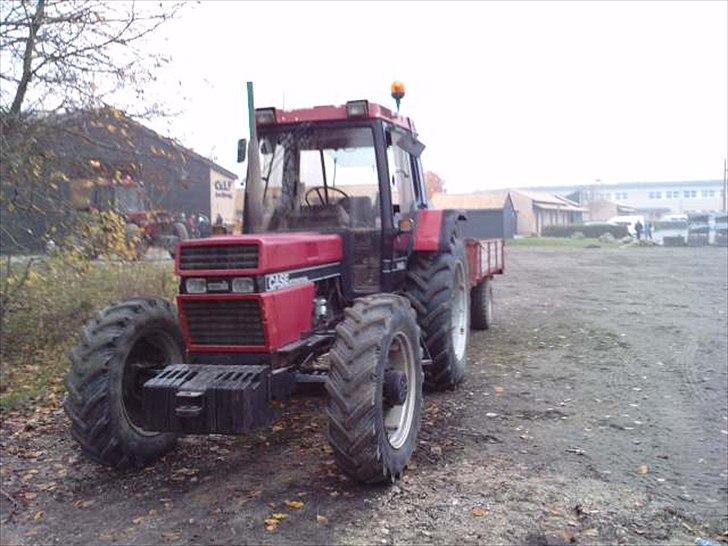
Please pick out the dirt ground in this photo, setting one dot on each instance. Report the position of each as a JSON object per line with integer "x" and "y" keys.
{"x": 595, "y": 411}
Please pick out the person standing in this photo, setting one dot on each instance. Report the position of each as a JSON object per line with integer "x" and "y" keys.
{"x": 638, "y": 230}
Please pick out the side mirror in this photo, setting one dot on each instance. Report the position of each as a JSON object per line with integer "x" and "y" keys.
{"x": 410, "y": 145}
{"x": 242, "y": 148}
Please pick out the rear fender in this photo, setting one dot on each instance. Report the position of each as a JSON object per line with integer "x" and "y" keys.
{"x": 434, "y": 227}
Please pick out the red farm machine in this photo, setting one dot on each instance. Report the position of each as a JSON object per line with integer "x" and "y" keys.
{"x": 343, "y": 275}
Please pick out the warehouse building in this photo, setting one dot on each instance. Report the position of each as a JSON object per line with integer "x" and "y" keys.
{"x": 511, "y": 212}
{"x": 490, "y": 215}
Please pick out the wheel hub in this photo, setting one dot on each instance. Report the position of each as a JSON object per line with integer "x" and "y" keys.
{"x": 395, "y": 388}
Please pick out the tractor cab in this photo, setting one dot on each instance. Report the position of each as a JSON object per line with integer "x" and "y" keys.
{"x": 353, "y": 170}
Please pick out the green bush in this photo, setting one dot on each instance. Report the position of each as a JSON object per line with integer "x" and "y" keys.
{"x": 591, "y": 231}
{"x": 45, "y": 302}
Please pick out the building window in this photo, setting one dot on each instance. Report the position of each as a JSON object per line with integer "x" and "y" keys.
{"x": 668, "y": 194}
{"x": 651, "y": 195}
{"x": 658, "y": 195}
{"x": 694, "y": 193}
{"x": 711, "y": 193}
{"x": 686, "y": 194}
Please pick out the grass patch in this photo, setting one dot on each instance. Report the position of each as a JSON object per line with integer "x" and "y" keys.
{"x": 42, "y": 319}
{"x": 558, "y": 242}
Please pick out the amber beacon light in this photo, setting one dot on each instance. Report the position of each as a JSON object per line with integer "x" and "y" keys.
{"x": 397, "y": 92}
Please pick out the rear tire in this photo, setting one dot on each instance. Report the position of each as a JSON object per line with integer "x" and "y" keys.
{"x": 373, "y": 425}
{"x": 481, "y": 305}
{"x": 437, "y": 286}
{"x": 119, "y": 350}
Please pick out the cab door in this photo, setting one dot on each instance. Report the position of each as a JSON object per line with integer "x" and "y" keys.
{"x": 405, "y": 186}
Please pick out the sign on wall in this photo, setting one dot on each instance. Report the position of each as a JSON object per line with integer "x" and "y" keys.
{"x": 222, "y": 197}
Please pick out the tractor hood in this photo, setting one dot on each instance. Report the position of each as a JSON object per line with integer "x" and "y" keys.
{"x": 255, "y": 254}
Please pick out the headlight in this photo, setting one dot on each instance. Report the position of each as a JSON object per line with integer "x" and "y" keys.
{"x": 196, "y": 286}
{"x": 243, "y": 285}
{"x": 357, "y": 108}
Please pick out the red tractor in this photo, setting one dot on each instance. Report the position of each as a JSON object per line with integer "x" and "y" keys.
{"x": 343, "y": 276}
{"x": 145, "y": 225}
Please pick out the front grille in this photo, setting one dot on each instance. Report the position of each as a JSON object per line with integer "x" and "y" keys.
{"x": 219, "y": 257}
{"x": 230, "y": 322}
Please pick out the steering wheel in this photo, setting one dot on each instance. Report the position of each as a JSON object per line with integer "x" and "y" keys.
{"x": 323, "y": 193}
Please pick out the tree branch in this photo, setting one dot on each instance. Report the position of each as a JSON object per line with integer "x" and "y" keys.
{"x": 27, "y": 59}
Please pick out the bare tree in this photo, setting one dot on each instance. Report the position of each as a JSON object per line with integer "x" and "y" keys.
{"x": 65, "y": 54}
{"x": 59, "y": 58}
{"x": 434, "y": 184}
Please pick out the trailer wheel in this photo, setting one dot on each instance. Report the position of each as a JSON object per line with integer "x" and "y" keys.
{"x": 119, "y": 351}
{"x": 375, "y": 389}
{"x": 437, "y": 286}
{"x": 481, "y": 305}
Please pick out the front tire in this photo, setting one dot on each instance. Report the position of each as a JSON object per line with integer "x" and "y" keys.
{"x": 119, "y": 351}
{"x": 437, "y": 286}
{"x": 375, "y": 389}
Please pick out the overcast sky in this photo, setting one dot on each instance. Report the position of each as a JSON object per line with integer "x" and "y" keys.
{"x": 503, "y": 94}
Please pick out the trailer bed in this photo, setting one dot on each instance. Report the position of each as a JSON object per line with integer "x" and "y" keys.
{"x": 486, "y": 257}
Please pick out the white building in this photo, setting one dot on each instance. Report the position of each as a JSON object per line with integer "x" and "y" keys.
{"x": 652, "y": 198}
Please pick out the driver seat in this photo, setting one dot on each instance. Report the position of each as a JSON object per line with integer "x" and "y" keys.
{"x": 319, "y": 216}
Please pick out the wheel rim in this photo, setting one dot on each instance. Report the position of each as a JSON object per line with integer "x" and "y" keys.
{"x": 149, "y": 354}
{"x": 398, "y": 418}
{"x": 459, "y": 313}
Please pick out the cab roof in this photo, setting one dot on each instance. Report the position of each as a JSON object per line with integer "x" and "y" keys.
{"x": 334, "y": 113}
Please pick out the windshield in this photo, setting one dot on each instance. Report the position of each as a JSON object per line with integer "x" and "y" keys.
{"x": 318, "y": 177}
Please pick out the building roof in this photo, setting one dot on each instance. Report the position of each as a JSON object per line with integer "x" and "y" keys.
{"x": 550, "y": 201}
{"x": 494, "y": 200}
{"x": 187, "y": 151}
{"x": 119, "y": 118}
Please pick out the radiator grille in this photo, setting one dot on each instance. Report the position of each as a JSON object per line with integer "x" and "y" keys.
{"x": 218, "y": 257}
{"x": 232, "y": 322}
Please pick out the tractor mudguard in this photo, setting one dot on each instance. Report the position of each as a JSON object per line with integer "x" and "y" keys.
{"x": 434, "y": 228}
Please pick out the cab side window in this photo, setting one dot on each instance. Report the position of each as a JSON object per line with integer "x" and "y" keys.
{"x": 401, "y": 176}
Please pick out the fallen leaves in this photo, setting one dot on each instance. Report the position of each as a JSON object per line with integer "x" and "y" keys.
{"x": 271, "y": 523}
{"x": 171, "y": 536}
{"x": 643, "y": 469}
{"x": 322, "y": 520}
{"x": 295, "y": 504}
{"x": 479, "y": 512}
{"x": 83, "y": 503}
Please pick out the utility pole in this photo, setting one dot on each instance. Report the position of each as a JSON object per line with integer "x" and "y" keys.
{"x": 725, "y": 185}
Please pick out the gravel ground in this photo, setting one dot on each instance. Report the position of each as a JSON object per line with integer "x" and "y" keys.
{"x": 594, "y": 412}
